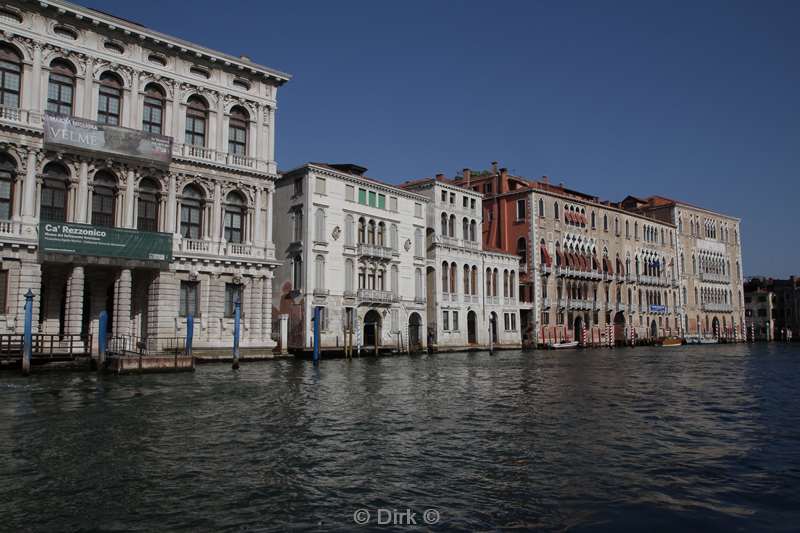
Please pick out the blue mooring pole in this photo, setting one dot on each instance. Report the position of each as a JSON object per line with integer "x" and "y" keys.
{"x": 102, "y": 337}
{"x": 316, "y": 335}
{"x": 237, "y": 310}
{"x": 189, "y": 334}
{"x": 27, "y": 340}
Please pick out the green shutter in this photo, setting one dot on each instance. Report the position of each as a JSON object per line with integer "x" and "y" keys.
{"x": 371, "y": 199}
{"x": 362, "y": 196}
{"x": 381, "y": 201}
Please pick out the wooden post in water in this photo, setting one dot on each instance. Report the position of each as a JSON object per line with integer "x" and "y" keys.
{"x": 27, "y": 340}
{"x": 237, "y": 309}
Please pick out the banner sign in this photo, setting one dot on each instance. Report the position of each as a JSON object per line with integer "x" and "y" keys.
{"x": 98, "y": 241}
{"x": 658, "y": 308}
{"x": 64, "y": 131}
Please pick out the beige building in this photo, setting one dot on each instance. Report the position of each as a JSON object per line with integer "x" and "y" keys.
{"x": 709, "y": 256}
{"x": 601, "y": 269}
{"x": 109, "y": 130}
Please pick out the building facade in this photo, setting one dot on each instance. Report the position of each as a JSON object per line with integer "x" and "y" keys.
{"x": 86, "y": 101}
{"x": 354, "y": 248}
{"x": 772, "y": 308}
{"x": 472, "y": 292}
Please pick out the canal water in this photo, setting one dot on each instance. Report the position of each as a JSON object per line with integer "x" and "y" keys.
{"x": 670, "y": 439}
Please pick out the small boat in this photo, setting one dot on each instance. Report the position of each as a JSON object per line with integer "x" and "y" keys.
{"x": 562, "y": 345}
{"x": 671, "y": 341}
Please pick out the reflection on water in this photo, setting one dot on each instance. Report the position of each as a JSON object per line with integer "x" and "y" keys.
{"x": 703, "y": 437}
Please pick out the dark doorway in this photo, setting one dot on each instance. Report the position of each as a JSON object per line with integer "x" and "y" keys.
{"x": 493, "y": 324}
{"x": 653, "y": 329}
{"x": 372, "y": 328}
{"x": 715, "y": 326}
{"x": 578, "y": 331}
{"x": 414, "y": 325}
{"x": 472, "y": 331}
{"x": 619, "y": 328}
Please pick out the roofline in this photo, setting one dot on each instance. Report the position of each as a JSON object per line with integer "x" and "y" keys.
{"x": 157, "y": 37}
{"x": 432, "y": 182}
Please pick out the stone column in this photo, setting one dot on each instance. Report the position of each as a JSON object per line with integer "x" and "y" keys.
{"x": 219, "y": 141}
{"x": 258, "y": 150}
{"x": 88, "y": 90}
{"x": 269, "y": 215}
{"x": 82, "y": 199}
{"x": 29, "y": 189}
{"x": 270, "y": 134}
{"x": 259, "y": 217}
{"x": 172, "y": 202}
{"x": 30, "y": 277}
{"x": 73, "y": 316}
{"x": 130, "y": 201}
{"x": 215, "y": 228}
{"x": 162, "y": 305}
{"x": 256, "y": 314}
{"x": 36, "y": 75}
{"x": 284, "y": 319}
{"x": 122, "y": 303}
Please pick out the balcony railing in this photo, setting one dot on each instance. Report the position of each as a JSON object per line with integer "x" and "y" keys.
{"x": 376, "y": 296}
{"x": 709, "y": 306}
{"x": 322, "y": 292}
{"x": 22, "y": 117}
{"x": 375, "y": 250}
{"x": 221, "y": 158}
{"x": 217, "y": 248}
{"x": 714, "y": 278}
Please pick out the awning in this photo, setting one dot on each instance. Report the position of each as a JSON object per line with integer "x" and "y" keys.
{"x": 547, "y": 260}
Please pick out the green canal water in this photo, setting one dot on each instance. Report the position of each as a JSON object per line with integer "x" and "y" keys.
{"x": 693, "y": 438}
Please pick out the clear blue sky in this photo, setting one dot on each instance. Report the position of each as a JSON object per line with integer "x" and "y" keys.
{"x": 693, "y": 100}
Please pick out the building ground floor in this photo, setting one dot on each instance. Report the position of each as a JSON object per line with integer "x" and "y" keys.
{"x": 147, "y": 305}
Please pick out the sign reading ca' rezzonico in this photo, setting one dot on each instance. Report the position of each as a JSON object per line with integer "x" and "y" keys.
{"x": 84, "y": 239}
{"x": 64, "y": 131}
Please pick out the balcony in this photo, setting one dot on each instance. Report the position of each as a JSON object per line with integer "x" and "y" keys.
{"x": 714, "y": 278}
{"x": 225, "y": 159}
{"x": 375, "y": 251}
{"x": 322, "y": 293}
{"x": 15, "y": 116}
{"x": 217, "y": 248}
{"x": 376, "y": 297}
{"x": 724, "y": 308}
{"x": 420, "y": 299}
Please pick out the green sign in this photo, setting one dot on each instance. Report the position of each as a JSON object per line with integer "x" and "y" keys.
{"x": 98, "y": 241}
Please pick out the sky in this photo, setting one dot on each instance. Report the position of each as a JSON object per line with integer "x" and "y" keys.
{"x": 698, "y": 101}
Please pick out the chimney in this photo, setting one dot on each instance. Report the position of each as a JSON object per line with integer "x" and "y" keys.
{"x": 467, "y": 173}
{"x": 494, "y": 167}
{"x": 545, "y": 179}
{"x": 503, "y": 180}
{"x": 439, "y": 177}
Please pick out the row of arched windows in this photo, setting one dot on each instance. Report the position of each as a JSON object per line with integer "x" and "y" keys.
{"x": 713, "y": 295}
{"x": 61, "y": 94}
{"x": 469, "y": 228}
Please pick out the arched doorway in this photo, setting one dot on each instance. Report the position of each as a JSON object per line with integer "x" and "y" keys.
{"x": 372, "y": 328}
{"x": 577, "y": 333}
{"x": 414, "y": 324}
{"x": 619, "y": 328}
{"x": 472, "y": 327}
{"x": 715, "y": 327}
{"x": 653, "y": 329}
{"x": 493, "y": 325}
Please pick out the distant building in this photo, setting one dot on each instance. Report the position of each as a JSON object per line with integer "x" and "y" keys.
{"x": 773, "y": 307}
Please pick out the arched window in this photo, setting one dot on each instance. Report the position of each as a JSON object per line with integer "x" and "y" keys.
{"x": 445, "y": 277}
{"x": 10, "y": 76}
{"x": 541, "y": 208}
{"x": 348, "y": 275}
{"x": 8, "y": 170}
{"x": 53, "y": 204}
{"x": 319, "y": 272}
{"x": 191, "y": 212}
{"x": 196, "y": 118}
{"x": 453, "y": 278}
{"x": 522, "y": 250}
{"x": 109, "y": 103}
{"x": 473, "y": 231}
{"x": 418, "y": 246}
{"x": 297, "y": 272}
{"x": 494, "y": 282}
{"x": 362, "y": 231}
{"x": 61, "y": 87}
{"x": 594, "y": 220}
{"x": 444, "y": 224}
{"x": 235, "y": 206}
{"x": 474, "y": 281}
{"x": 153, "y": 109}
{"x": 627, "y": 229}
{"x": 466, "y": 280}
{"x": 452, "y": 231}
{"x": 349, "y": 229}
{"x": 465, "y": 228}
{"x": 237, "y": 131}
{"x": 395, "y": 280}
{"x": 319, "y": 225}
{"x": 104, "y": 199}
{"x": 147, "y": 208}
{"x": 555, "y": 210}
{"x": 418, "y": 283}
{"x": 381, "y": 240}
{"x": 393, "y": 239}
{"x": 511, "y": 284}
{"x": 371, "y": 232}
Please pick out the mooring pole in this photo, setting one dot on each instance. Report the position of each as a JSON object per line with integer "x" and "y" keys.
{"x": 189, "y": 334}
{"x": 237, "y": 311}
{"x": 102, "y": 338}
{"x": 27, "y": 341}
{"x": 491, "y": 339}
{"x": 317, "y": 312}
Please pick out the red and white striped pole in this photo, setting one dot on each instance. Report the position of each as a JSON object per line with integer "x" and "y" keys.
{"x": 583, "y": 335}
{"x": 633, "y": 336}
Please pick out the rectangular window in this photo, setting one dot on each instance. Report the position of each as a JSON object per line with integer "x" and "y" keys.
{"x": 233, "y": 294}
{"x": 298, "y": 187}
{"x": 393, "y": 204}
{"x": 513, "y": 322}
{"x": 3, "y": 290}
{"x": 444, "y": 197}
{"x": 418, "y": 210}
{"x": 152, "y": 114}
{"x": 362, "y": 196}
{"x": 395, "y": 319}
{"x": 464, "y": 202}
{"x": 189, "y": 298}
{"x": 59, "y": 94}
{"x": 453, "y": 198}
{"x": 323, "y": 318}
{"x": 108, "y": 110}
{"x": 320, "y": 186}
{"x": 237, "y": 138}
{"x": 520, "y": 210}
{"x": 455, "y": 320}
{"x": 472, "y": 204}
{"x": 446, "y": 320}
{"x": 506, "y": 321}
{"x": 372, "y": 199}
{"x": 381, "y": 201}
{"x": 487, "y": 188}
{"x": 349, "y": 193}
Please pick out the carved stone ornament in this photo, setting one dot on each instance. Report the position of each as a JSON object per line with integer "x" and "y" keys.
{"x": 337, "y": 231}
{"x": 407, "y": 244}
